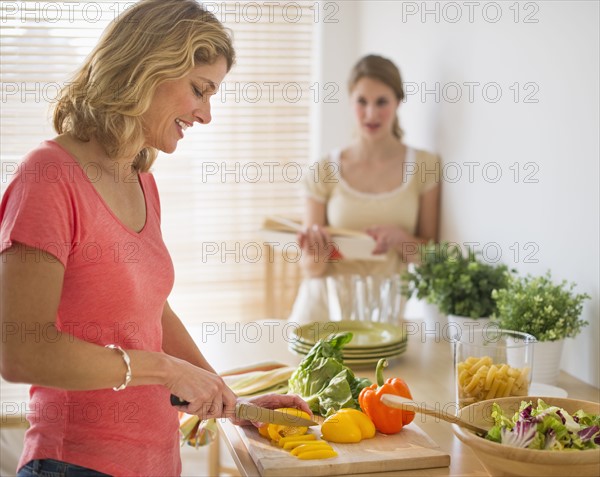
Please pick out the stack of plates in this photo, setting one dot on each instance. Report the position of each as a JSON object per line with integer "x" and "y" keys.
{"x": 370, "y": 341}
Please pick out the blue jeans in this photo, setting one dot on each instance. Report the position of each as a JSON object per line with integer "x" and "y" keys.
{"x": 55, "y": 468}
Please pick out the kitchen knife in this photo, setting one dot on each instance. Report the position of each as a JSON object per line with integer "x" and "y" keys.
{"x": 259, "y": 414}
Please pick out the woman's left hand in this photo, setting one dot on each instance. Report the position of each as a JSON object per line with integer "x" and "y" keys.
{"x": 274, "y": 401}
{"x": 388, "y": 237}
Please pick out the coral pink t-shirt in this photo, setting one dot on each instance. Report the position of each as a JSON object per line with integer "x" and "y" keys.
{"x": 116, "y": 283}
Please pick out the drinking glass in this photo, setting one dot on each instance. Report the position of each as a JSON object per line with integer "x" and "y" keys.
{"x": 339, "y": 297}
{"x": 365, "y": 298}
{"x": 391, "y": 301}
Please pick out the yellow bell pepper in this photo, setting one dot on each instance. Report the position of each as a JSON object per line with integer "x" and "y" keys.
{"x": 318, "y": 454}
{"x": 263, "y": 431}
{"x": 277, "y": 431}
{"x": 309, "y": 447}
{"x": 347, "y": 426}
{"x": 300, "y": 438}
{"x": 293, "y": 444}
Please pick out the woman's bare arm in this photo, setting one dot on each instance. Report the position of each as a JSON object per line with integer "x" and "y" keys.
{"x": 315, "y": 242}
{"x": 178, "y": 342}
{"x": 34, "y": 351}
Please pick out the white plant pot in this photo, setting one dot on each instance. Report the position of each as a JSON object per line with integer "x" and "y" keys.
{"x": 546, "y": 361}
{"x": 431, "y": 314}
{"x": 463, "y": 327}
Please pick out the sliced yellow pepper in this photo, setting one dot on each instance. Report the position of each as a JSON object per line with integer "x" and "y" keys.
{"x": 263, "y": 431}
{"x": 313, "y": 446}
{"x": 293, "y": 444}
{"x": 277, "y": 431}
{"x": 318, "y": 454}
{"x": 348, "y": 426}
{"x": 302, "y": 445}
{"x": 302, "y": 437}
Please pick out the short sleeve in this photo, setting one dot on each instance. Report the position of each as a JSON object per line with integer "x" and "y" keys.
{"x": 320, "y": 178}
{"x": 37, "y": 208}
{"x": 430, "y": 173}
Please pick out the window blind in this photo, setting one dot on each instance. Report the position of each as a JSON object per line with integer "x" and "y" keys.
{"x": 224, "y": 177}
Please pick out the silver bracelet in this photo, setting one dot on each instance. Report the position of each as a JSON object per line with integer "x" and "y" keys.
{"x": 127, "y": 363}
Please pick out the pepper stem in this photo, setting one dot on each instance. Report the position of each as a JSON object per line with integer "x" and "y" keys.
{"x": 382, "y": 363}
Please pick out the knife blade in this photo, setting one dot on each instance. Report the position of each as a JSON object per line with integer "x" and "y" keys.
{"x": 255, "y": 413}
{"x": 263, "y": 414}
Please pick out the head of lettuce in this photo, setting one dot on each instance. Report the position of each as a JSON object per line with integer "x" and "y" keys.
{"x": 323, "y": 381}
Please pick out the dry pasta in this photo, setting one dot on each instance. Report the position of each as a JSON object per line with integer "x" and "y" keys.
{"x": 481, "y": 378}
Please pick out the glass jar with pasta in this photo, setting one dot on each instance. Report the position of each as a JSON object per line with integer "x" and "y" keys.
{"x": 492, "y": 363}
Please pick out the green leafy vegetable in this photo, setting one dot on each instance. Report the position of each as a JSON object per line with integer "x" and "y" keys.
{"x": 545, "y": 427}
{"x": 585, "y": 419}
{"x": 323, "y": 381}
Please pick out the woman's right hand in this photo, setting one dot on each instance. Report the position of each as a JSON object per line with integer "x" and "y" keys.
{"x": 316, "y": 243}
{"x": 207, "y": 394}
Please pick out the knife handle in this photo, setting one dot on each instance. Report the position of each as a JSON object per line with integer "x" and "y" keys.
{"x": 175, "y": 401}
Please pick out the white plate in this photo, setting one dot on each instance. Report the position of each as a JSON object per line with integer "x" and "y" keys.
{"x": 541, "y": 389}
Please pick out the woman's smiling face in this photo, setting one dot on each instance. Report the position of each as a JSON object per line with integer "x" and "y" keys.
{"x": 375, "y": 106}
{"x": 178, "y": 104}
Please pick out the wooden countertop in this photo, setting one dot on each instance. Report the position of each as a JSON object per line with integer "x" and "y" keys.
{"x": 427, "y": 366}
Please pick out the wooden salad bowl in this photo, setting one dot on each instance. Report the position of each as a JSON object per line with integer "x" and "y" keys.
{"x": 503, "y": 460}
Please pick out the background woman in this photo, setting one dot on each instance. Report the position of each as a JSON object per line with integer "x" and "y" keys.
{"x": 376, "y": 184}
{"x": 85, "y": 274}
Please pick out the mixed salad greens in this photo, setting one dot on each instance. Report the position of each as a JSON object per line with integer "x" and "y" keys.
{"x": 545, "y": 427}
{"x": 323, "y": 380}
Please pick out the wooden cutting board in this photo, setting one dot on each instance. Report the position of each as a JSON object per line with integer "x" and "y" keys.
{"x": 409, "y": 449}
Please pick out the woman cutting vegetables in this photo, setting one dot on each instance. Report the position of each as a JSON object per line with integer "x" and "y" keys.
{"x": 100, "y": 345}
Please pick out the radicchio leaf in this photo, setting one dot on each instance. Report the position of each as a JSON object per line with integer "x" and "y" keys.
{"x": 589, "y": 433}
{"x": 520, "y": 436}
{"x": 525, "y": 414}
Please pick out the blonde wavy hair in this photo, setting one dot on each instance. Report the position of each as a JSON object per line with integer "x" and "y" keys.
{"x": 384, "y": 70}
{"x": 149, "y": 43}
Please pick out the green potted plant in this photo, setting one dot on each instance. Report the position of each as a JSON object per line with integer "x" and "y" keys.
{"x": 549, "y": 311}
{"x": 459, "y": 284}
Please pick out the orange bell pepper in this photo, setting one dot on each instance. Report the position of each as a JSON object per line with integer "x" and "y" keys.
{"x": 386, "y": 419}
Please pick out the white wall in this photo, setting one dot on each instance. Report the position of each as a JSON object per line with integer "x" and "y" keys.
{"x": 336, "y": 49}
{"x": 552, "y": 223}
